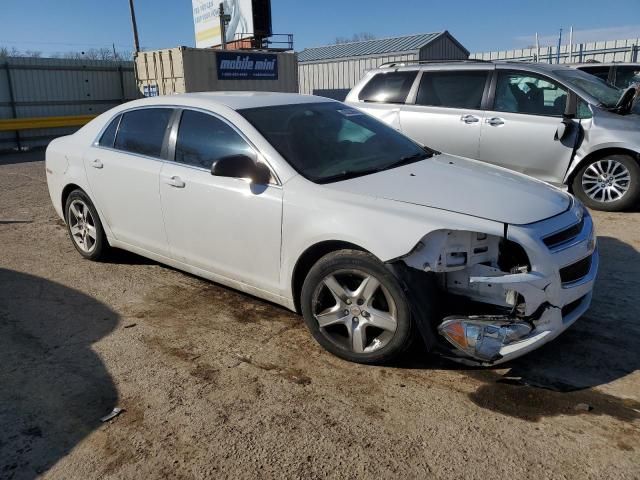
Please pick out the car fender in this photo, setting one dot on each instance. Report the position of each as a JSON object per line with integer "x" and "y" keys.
{"x": 386, "y": 228}
{"x": 64, "y": 169}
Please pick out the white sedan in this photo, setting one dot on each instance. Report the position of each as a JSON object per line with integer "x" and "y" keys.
{"x": 308, "y": 203}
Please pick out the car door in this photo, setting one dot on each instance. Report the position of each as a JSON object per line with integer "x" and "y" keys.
{"x": 226, "y": 226}
{"x": 123, "y": 171}
{"x": 447, "y": 114}
{"x": 519, "y": 131}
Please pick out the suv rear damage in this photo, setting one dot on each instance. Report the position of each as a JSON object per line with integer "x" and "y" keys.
{"x": 503, "y": 296}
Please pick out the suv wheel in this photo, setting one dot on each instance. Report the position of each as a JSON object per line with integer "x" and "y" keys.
{"x": 610, "y": 183}
{"x": 355, "y": 308}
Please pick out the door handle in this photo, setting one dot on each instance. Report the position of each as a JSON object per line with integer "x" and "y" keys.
{"x": 97, "y": 164}
{"x": 469, "y": 119}
{"x": 495, "y": 121}
{"x": 174, "y": 181}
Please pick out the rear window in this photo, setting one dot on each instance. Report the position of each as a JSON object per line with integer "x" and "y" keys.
{"x": 392, "y": 87}
{"x": 142, "y": 131}
{"x": 452, "y": 89}
{"x": 109, "y": 135}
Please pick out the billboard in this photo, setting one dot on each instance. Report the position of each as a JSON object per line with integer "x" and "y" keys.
{"x": 206, "y": 21}
{"x": 236, "y": 65}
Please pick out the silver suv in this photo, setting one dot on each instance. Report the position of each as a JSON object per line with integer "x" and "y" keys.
{"x": 552, "y": 122}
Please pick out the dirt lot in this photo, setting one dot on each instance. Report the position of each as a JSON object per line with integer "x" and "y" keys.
{"x": 217, "y": 384}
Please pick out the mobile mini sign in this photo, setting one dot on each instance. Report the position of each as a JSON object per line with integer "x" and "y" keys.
{"x": 247, "y": 66}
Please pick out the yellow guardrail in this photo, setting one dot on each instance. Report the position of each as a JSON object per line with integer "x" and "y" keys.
{"x": 13, "y": 124}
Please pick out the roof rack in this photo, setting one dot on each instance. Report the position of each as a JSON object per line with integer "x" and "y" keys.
{"x": 422, "y": 62}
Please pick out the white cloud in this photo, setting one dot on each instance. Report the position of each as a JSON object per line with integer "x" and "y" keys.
{"x": 581, "y": 36}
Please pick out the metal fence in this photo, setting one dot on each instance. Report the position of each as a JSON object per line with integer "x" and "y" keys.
{"x": 50, "y": 87}
{"x": 608, "y": 51}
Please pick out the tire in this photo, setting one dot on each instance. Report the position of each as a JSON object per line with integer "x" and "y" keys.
{"x": 363, "y": 321}
{"x": 598, "y": 183}
{"x": 84, "y": 227}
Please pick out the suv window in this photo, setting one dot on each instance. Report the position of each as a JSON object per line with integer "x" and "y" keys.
{"x": 602, "y": 72}
{"x": 627, "y": 76}
{"x": 109, "y": 135}
{"x": 392, "y": 87}
{"x": 142, "y": 131}
{"x": 203, "y": 138}
{"x": 523, "y": 92}
{"x": 452, "y": 89}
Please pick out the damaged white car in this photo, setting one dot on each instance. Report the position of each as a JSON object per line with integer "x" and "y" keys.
{"x": 316, "y": 206}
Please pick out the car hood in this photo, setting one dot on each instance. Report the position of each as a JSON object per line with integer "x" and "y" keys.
{"x": 464, "y": 186}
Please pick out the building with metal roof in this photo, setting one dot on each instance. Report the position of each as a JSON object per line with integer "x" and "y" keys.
{"x": 332, "y": 70}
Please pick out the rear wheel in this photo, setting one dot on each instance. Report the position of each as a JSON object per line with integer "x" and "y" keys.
{"x": 84, "y": 226}
{"x": 355, "y": 308}
{"x": 611, "y": 183}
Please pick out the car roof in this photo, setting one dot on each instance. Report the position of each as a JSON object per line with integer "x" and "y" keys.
{"x": 233, "y": 100}
{"x": 471, "y": 64}
{"x": 606, "y": 64}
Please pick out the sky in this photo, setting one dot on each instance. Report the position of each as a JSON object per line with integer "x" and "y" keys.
{"x": 63, "y": 25}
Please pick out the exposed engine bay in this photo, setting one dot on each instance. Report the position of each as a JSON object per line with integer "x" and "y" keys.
{"x": 488, "y": 297}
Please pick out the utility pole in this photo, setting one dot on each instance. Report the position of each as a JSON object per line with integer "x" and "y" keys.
{"x": 135, "y": 27}
{"x": 559, "y": 43}
{"x": 224, "y": 19}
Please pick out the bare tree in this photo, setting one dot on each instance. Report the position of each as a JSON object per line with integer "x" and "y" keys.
{"x": 104, "y": 53}
{"x": 356, "y": 37}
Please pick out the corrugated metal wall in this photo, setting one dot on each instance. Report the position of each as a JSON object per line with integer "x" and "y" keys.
{"x": 182, "y": 69}
{"x": 43, "y": 87}
{"x": 607, "y": 51}
{"x": 342, "y": 74}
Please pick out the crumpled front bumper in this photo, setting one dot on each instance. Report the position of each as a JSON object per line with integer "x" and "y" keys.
{"x": 558, "y": 288}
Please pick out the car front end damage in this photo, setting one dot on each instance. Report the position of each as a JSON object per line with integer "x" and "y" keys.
{"x": 502, "y": 297}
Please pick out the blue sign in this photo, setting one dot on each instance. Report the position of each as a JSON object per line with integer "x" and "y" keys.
{"x": 237, "y": 65}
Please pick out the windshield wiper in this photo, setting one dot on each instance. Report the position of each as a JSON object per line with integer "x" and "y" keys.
{"x": 346, "y": 175}
{"x": 408, "y": 159}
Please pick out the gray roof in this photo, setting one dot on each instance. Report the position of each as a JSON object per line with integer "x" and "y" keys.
{"x": 409, "y": 43}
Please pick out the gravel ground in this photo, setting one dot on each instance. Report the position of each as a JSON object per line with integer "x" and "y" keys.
{"x": 217, "y": 384}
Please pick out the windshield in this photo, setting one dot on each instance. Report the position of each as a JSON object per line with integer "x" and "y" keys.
{"x": 330, "y": 141}
{"x": 606, "y": 94}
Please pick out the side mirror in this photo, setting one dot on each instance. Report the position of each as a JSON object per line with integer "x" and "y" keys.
{"x": 561, "y": 131}
{"x": 241, "y": 166}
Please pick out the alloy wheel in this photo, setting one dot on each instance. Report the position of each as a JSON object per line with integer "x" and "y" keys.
{"x": 82, "y": 226}
{"x": 606, "y": 180}
{"x": 355, "y": 311}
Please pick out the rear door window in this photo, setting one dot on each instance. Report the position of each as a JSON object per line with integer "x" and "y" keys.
{"x": 600, "y": 71}
{"x": 203, "y": 139}
{"x": 452, "y": 89}
{"x": 523, "y": 92}
{"x": 142, "y": 131}
{"x": 392, "y": 87}
{"x": 627, "y": 76}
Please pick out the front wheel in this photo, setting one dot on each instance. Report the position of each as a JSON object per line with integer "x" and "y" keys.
{"x": 611, "y": 183}
{"x": 355, "y": 308}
